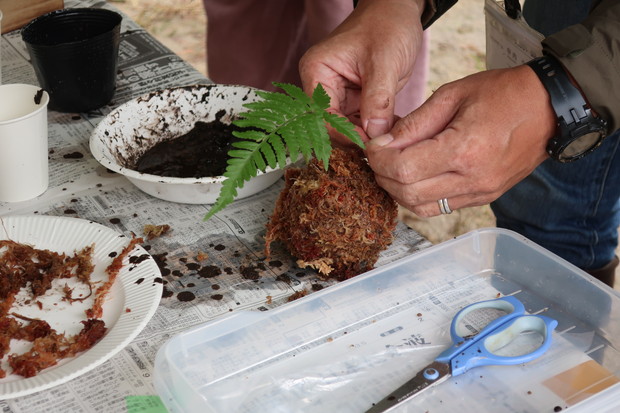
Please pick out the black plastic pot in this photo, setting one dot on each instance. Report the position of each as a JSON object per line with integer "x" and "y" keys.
{"x": 74, "y": 53}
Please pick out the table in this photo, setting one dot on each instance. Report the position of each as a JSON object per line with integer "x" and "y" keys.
{"x": 232, "y": 240}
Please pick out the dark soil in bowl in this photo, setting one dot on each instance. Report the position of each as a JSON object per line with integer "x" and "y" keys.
{"x": 202, "y": 152}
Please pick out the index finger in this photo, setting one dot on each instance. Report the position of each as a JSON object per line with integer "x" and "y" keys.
{"x": 416, "y": 162}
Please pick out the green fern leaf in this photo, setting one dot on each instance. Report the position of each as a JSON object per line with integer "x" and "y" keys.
{"x": 345, "y": 127}
{"x": 291, "y": 134}
{"x": 270, "y": 156}
{"x": 253, "y": 135}
{"x": 296, "y": 93}
{"x": 275, "y": 118}
{"x": 279, "y": 149}
{"x": 278, "y": 127}
{"x": 317, "y": 133}
{"x": 320, "y": 97}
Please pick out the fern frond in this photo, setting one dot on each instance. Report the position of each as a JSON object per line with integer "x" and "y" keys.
{"x": 280, "y": 150}
{"x": 276, "y": 127}
{"x": 274, "y": 101}
{"x": 296, "y": 138}
{"x": 269, "y": 154}
{"x": 253, "y": 135}
{"x": 296, "y": 93}
{"x": 320, "y": 97}
{"x": 275, "y": 118}
{"x": 345, "y": 127}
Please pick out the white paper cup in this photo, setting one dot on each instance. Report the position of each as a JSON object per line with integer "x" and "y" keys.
{"x": 23, "y": 142}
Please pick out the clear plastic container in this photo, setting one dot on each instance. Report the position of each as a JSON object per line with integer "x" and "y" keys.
{"x": 343, "y": 348}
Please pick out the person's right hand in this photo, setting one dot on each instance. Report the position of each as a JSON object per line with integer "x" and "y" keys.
{"x": 366, "y": 61}
{"x": 470, "y": 142}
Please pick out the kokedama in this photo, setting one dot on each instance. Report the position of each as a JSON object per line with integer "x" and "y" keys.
{"x": 331, "y": 215}
{"x": 336, "y": 221}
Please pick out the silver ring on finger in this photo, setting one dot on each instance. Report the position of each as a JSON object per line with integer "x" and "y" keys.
{"x": 444, "y": 208}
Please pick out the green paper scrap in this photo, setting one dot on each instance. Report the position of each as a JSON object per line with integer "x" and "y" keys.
{"x": 145, "y": 404}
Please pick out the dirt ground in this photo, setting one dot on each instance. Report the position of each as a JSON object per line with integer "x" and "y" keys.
{"x": 457, "y": 49}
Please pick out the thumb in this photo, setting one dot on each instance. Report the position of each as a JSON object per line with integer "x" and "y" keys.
{"x": 377, "y": 100}
{"x": 430, "y": 119}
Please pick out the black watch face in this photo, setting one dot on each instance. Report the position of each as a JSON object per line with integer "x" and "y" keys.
{"x": 581, "y": 145}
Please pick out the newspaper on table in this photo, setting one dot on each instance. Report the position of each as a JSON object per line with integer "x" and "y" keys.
{"x": 209, "y": 268}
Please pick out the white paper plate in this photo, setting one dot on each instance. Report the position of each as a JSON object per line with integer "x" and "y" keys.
{"x": 130, "y": 304}
{"x": 123, "y": 136}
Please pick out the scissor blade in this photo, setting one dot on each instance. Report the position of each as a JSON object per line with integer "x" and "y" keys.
{"x": 412, "y": 387}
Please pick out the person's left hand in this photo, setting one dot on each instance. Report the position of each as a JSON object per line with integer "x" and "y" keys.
{"x": 365, "y": 61}
{"x": 470, "y": 142}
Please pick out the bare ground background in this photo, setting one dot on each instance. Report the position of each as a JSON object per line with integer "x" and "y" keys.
{"x": 457, "y": 49}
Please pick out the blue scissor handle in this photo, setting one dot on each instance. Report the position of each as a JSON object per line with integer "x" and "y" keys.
{"x": 479, "y": 350}
{"x": 510, "y": 305}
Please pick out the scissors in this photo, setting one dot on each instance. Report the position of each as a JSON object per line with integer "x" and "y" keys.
{"x": 480, "y": 349}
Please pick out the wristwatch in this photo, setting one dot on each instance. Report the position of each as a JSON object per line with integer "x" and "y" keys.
{"x": 579, "y": 131}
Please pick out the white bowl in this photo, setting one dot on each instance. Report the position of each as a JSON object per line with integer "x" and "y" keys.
{"x": 136, "y": 126}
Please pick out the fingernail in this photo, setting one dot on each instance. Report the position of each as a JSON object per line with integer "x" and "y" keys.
{"x": 377, "y": 127}
{"x": 382, "y": 140}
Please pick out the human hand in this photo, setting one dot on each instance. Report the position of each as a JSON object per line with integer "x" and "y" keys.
{"x": 470, "y": 142}
{"x": 366, "y": 61}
